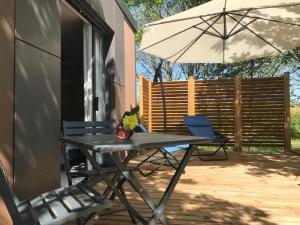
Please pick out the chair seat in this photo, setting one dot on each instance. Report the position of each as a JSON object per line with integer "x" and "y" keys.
{"x": 175, "y": 148}
{"x": 62, "y": 205}
{"x": 90, "y": 173}
{"x": 201, "y": 126}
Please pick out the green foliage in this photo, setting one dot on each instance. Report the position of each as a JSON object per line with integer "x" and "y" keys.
{"x": 296, "y": 144}
{"x": 133, "y": 111}
{"x": 295, "y": 124}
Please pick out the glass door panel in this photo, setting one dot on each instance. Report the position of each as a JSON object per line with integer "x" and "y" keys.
{"x": 99, "y": 77}
{"x": 88, "y": 71}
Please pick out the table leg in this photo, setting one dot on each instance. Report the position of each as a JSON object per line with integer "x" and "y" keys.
{"x": 118, "y": 174}
{"x": 121, "y": 182}
{"x": 158, "y": 210}
{"x": 133, "y": 181}
{"x": 113, "y": 186}
{"x": 163, "y": 202}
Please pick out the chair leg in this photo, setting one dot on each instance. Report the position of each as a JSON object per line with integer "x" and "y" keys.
{"x": 165, "y": 161}
{"x": 225, "y": 152}
{"x": 167, "y": 158}
{"x": 153, "y": 170}
{"x": 67, "y": 166}
{"x": 90, "y": 220}
{"x": 174, "y": 157}
{"x": 198, "y": 153}
{"x": 222, "y": 146}
{"x": 150, "y": 173}
{"x": 78, "y": 222}
{"x": 145, "y": 160}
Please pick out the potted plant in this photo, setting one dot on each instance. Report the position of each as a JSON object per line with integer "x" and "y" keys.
{"x": 128, "y": 123}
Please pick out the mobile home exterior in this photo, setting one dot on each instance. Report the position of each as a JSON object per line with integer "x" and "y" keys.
{"x": 59, "y": 60}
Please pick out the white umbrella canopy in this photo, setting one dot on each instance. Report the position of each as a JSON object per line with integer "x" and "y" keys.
{"x": 223, "y": 31}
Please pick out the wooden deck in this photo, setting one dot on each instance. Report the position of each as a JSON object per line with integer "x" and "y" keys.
{"x": 247, "y": 189}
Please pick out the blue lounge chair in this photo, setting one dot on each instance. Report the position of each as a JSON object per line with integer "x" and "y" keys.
{"x": 201, "y": 126}
{"x": 164, "y": 156}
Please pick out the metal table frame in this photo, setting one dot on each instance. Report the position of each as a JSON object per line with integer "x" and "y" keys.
{"x": 124, "y": 174}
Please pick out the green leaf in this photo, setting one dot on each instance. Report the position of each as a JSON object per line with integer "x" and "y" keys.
{"x": 126, "y": 114}
{"x": 135, "y": 110}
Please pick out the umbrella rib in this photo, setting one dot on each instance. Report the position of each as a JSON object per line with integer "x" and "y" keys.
{"x": 210, "y": 33}
{"x": 205, "y": 21}
{"x": 260, "y": 37}
{"x": 173, "y": 35}
{"x": 271, "y": 20}
{"x": 196, "y": 39}
{"x": 266, "y": 7}
{"x": 241, "y": 29}
{"x": 218, "y": 13}
{"x": 240, "y": 20}
{"x": 182, "y": 19}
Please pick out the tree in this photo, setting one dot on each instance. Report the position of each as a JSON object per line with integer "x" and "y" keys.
{"x": 146, "y": 11}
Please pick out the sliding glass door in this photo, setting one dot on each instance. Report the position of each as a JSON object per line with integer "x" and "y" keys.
{"x": 94, "y": 83}
{"x": 88, "y": 72}
{"x": 83, "y": 50}
{"x": 99, "y": 77}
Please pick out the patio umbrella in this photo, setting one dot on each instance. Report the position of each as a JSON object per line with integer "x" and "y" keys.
{"x": 225, "y": 31}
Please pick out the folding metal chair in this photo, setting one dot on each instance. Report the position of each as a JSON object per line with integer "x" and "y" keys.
{"x": 80, "y": 203}
{"x": 72, "y": 128}
{"x": 201, "y": 126}
{"x": 164, "y": 156}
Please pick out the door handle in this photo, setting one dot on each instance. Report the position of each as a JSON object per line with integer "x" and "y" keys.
{"x": 96, "y": 103}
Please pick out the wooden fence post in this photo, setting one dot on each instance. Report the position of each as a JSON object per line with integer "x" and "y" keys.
{"x": 141, "y": 96}
{"x": 287, "y": 116}
{"x": 238, "y": 113}
{"x": 191, "y": 96}
{"x": 150, "y": 106}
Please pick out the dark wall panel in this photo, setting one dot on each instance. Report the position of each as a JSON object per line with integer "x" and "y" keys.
{"x": 120, "y": 62}
{"x": 6, "y": 84}
{"x": 6, "y": 93}
{"x": 38, "y": 23}
{"x": 37, "y": 129}
{"x": 120, "y": 45}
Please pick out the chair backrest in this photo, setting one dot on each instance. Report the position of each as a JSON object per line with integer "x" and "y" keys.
{"x": 140, "y": 128}
{"x": 71, "y": 128}
{"x": 200, "y": 126}
{"x": 9, "y": 198}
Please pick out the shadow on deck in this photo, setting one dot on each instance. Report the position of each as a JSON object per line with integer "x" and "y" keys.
{"x": 249, "y": 188}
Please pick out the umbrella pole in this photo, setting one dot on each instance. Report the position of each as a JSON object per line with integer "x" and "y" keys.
{"x": 158, "y": 75}
{"x": 162, "y": 88}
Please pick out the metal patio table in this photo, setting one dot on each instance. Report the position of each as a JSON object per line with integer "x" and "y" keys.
{"x": 109, "y": 143}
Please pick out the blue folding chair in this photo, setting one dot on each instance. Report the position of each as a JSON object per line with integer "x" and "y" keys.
{"x": 201, "y": 126}
{"x": 166, "y": 157}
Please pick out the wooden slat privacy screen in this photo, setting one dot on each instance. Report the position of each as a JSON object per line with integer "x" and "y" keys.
{"x": 251, "y": 112}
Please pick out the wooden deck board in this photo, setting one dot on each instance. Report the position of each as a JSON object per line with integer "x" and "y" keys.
{"x": 249, "y": 188}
